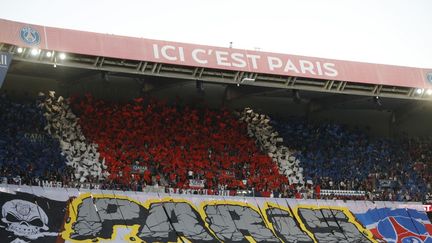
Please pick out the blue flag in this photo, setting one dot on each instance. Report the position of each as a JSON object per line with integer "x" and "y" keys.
{"x": 5, "y": 61}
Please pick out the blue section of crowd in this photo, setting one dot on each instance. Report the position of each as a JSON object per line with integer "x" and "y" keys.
{"x": 26, "y": 150}
{"x": 338, "y": 157}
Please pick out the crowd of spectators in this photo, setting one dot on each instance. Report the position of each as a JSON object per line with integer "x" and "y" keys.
{"x": 62, "y": 125}
{"x": 420, "y": 152}
{"x": 25, "y": 148}
{"x": 174, "y": 144}
{"x": 337, "y": 157}
{"x": 147, "y": 142}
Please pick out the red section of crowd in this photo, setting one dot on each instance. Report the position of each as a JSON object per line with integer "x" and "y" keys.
{"x": 175, "y": 144}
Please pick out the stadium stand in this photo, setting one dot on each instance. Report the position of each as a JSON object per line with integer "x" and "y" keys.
{"x": 84, "y": 169}
{"x": 63, "y": 125}
{"x": 175, "y": 145}
{"x": 347, "y": 159}
{"x": 421, "y": 154}
{"x": 26, "y": 150}
{"x": 270, "y": 142}
{"x": 147, "y": 142}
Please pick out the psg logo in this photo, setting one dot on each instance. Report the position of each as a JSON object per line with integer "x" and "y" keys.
{"x": 30, "y": 36}
{"x": 429, "y": 77}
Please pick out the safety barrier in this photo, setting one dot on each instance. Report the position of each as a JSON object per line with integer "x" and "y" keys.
{"x": 343, "y": 193}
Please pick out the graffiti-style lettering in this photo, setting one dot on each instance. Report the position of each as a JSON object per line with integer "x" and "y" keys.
{"x": 234, "y": 223}
{"x": 140, "y": 218}
{"x": 169, "y": 220}
{"x": 97, "y": 216}
{"x": 286, "y": 227}
{"x": 330, "y": 225}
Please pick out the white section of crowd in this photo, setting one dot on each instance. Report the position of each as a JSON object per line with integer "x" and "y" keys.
{"x": 62, "y": 124}
{"x": 269, "y": 141}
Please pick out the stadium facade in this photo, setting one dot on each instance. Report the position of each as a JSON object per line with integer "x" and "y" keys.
{"x": 47, "y": 214}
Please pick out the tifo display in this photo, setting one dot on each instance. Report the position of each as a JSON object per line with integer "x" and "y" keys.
{"x": 147, "y": 142}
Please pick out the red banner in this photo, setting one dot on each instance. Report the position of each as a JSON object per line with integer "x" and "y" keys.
{"x": 122, "y": 47}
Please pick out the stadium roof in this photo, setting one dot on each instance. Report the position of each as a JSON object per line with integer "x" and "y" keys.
{"x": 138, "y": 56}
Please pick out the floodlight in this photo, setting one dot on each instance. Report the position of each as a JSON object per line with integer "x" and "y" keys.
{"x": 20, "y": 50}
{"x": 429, "y": 92}
{"x": 419, "y": 91}
{"x": 49, "y": 54}
{"x": 35, "y": 51}
{"x": 62, "y": 56}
